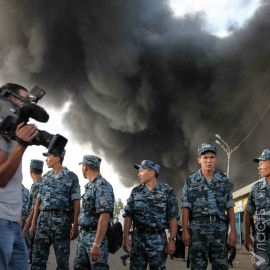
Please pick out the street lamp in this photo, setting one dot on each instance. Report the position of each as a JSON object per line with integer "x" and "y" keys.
{"x": 225, "y": 146}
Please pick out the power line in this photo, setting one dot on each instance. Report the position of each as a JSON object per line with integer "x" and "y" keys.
{"x": 250, "y": 132}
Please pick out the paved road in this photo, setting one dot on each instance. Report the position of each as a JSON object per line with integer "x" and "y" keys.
{"x": 243, "y": 261}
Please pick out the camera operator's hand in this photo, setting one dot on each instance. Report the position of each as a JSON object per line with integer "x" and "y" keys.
{"x": 26, "y": 133}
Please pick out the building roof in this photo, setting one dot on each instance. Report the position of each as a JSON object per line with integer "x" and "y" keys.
{"x": 243, "y": 191}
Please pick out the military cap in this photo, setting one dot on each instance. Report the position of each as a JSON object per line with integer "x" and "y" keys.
{"x": 148, "y": 164}
{"x": 265, "y": 155}
{"x": 206, "y": 147}
{"x": 55, "y": 153}
{"x": 36, "y": 164}
{"x": 91, "y": 160}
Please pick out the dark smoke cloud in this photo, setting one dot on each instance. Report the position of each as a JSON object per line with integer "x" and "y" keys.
{"x": 144, "y": 84}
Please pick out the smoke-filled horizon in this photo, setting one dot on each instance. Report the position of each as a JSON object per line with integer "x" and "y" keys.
{"x": 144, "y": 84}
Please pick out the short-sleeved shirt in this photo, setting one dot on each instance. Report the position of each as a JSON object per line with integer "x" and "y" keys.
{"x": 207, "y": 198}
{"x": 152, "y": 208}
{"x": 58, "y": 191}
{"x": 25, "y": 199}
{"x": 11, "y": 194}
{"x": 33, "y": 195}
{"x": 259, "y": 202}
{"x": 98, "y": 198}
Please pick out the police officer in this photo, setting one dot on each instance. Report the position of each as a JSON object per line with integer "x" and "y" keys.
{"x": 206, "y": 199}
{"x": 36, "y": 169}
{"x": 57, "y": 207}
{"x": 259, "y": 205}
{"x": 96, "y": 211}
{"x": 151, "y": 208}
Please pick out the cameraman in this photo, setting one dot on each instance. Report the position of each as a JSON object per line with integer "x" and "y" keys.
{"x": 13, "y": 251}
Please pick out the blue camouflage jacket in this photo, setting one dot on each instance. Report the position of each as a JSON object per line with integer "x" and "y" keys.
{"x": 207, "y": 198}
{"x": 58, "y": 191}
{"x": 259, "y": 202}
{"x": 152, "y": 208}
{"x": 33, "y": 195}
{"x": 25, "y": 197}
{"x": 98, "y": 198}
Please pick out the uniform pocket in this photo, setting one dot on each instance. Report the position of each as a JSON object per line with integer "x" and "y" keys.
{"x": 195, "y": 193}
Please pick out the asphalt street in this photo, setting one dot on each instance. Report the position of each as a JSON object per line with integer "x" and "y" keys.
{"x": 243, "y": 261}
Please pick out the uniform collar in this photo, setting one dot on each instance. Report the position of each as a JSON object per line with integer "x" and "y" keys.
{"x": 264, "y": 183}
{"x": 65, "y": 171}
{"x": 157, "y": 186}
{"x": 90, "y": 183}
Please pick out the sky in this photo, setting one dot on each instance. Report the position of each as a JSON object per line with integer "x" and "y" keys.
{"x": 74, "y": 154}
{"x": 220, "y": 16}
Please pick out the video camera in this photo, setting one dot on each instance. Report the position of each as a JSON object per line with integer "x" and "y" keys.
{"x": 11, "y": 116}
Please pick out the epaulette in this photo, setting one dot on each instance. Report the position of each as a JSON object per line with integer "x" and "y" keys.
{"x": 221, "y": 172}
{"x": 166, "y": 186}
{"x": 73, "y": 174}
{"x": 194, "y": 176}
{"x": 258, "y": 183}
{"x": 138, "y": 188}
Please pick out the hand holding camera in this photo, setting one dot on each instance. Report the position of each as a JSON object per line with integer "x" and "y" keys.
{"x": 26, "y": 133}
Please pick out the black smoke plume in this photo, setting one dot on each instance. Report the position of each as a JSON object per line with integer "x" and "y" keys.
{"x": 144, "y": 84}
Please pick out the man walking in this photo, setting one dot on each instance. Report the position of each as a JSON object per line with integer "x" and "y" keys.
{"x": 96, "y": 212}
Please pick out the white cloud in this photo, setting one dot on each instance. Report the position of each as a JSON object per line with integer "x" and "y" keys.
{"x": 220, "y": 14}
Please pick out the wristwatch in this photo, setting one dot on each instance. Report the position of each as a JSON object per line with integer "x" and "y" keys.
{"x": 173, "y": 238}
{"x": 96, "y": 245}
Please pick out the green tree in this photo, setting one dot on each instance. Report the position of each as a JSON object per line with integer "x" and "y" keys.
{"x": 118, "y": 206}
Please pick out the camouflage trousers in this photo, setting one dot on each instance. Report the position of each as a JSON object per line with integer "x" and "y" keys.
{"x": 147, "y": 249}
{"x": 262, "y": 250}
{"x": 51, "y": 230}
{"x": 208, "y": 240}
{"x": 83, "y": 260}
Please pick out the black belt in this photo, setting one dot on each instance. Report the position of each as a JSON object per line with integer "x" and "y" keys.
{"x": 88, "y": 228}
{"x": 211, "y": 218}
{"x": 55, "y": 212}
{"x": 150, "y": 230}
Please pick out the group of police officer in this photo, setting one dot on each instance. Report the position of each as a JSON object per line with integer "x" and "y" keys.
{"x": 206, "y": 208}
{"x": 53, "y": 213}
{"x": 54, "y": 216}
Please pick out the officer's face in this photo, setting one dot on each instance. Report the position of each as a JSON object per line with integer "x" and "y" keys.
{"x": 84, "y": 169}
{"x": 207, "y": 161}
{"x": 264, "y": 168}
{"x": 145, "y": 175}
{"x": 51, "y": 160}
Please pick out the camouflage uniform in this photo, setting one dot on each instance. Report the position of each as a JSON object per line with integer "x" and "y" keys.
{"x": 33, "y": 195}
{"x": 150, "y": 209}
{"x": 98, "y": 198}
{"x": 25, "y": 197}
{"x": 207, "y": 202}
{"x": 57, "y": 193}
{"x": 35, "y": 164}
{"x": 259, "y": 205}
